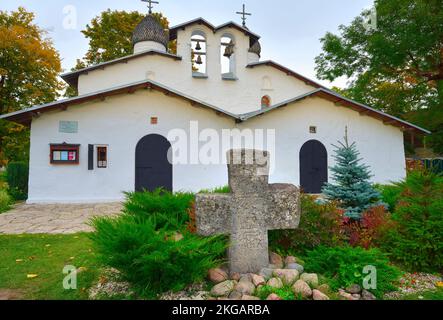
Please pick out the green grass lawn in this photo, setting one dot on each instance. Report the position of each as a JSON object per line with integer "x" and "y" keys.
{"x": 428, "y": 295}
{"x": 46, "y": 256}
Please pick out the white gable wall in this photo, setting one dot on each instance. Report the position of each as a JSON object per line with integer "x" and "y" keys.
{"x": 122, "y": 121}
{"x": 240, "y": 96}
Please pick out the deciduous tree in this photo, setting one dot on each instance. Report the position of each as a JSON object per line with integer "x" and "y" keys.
{"x": 29, "y": 68}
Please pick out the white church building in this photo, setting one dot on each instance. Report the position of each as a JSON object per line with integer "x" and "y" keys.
{"x": 119, "y": 133}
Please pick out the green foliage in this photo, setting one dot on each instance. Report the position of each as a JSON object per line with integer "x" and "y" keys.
{"x": 221, "y": 190}
{"x": 389, "y": 195}
{"x": 395, "y": 67}
{"x": 29, "y": 68}
{"x": 168, "y": 211}
{"x": 17, "y": 175}
{"x": 345, "y": 266}
{"x": 417, "y": 239}
{"x": 284, "y": 293}
{"x": 110, "y": 35}
{"x": 150, "y": 245}
{"x": 319, "y": 225}
{"x": 5, "y": 201}
{"x": 352, "y": 188}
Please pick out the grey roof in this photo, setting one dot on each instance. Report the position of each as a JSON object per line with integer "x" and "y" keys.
{"x": 256, "y": 48}
{"x": 201, "y": 21}
{"x": 339, "y": 98}
{"x": 26, "y": 113}
{"x": 72, "y": 77}
{"x": 149, "y": 29}
{"x": 24, "y": 116}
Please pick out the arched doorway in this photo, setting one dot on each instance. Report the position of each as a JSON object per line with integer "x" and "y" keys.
{"x": 153, "y": 169}
{"x": 313, "y": 167}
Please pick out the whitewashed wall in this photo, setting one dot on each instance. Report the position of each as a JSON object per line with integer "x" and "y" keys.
{"x": 122, "y": 121}
{"x": 241, "y": 96}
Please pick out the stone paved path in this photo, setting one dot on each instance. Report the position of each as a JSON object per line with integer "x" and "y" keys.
{"x": 54, "y": 218}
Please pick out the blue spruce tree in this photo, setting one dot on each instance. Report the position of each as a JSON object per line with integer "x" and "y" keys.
{"x": 352, "y": 188}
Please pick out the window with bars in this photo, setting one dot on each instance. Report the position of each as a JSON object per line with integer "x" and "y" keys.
{"x": 102, "y": 157}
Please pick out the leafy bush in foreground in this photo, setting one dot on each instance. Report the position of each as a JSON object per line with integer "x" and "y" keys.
{"x": 151, "y": 247}
{"x": 389, "y": 195}
{"x": 370, "y": 230}
{"x": 416, "y": 241}
{"x": 169, "y": 210}
{"x": 320, "y": 224}
{"x": 345, "y": 265}
{"x": 5, "y": 201}
{"x": 17, "y": 175}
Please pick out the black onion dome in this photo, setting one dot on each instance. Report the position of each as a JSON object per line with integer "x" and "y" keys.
{"x": 256, "y": 48}
{"x": 149, "y": 29}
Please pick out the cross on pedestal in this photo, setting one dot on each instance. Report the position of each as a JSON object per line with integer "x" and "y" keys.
{"x": 251, "y": 209}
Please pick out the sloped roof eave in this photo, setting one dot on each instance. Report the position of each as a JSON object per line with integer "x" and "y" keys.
{"x": 25, "y": 116}
{"x": 336, "y": 98}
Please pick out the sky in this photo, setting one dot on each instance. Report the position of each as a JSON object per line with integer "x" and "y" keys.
{"x": 290, "y": 30}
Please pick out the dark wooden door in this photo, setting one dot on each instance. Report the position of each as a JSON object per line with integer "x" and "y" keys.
{"x": 313, "y": 167}
{"x": 153, "y": 169}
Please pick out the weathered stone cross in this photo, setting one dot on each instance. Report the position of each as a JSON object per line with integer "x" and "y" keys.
{"x": 252, "y": 208}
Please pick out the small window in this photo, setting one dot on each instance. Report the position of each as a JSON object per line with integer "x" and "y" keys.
{"x": 102, "y": 157}
{"x": 64, "y": 153}
{"x": 154, "y": 120}
{"x": 265, "y": 102}
{"x": 313, "y": 129}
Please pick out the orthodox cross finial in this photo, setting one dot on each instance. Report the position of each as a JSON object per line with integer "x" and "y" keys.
{"x": 150, "y": 4}
{"x": 244, "y": 14}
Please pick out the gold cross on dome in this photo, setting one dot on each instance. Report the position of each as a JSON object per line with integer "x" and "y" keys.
{"x": 150, "y": 4}
{"x": 244, "y": 14}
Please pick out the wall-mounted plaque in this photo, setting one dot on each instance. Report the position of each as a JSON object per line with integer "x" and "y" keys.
{"x": 68, "y": 127}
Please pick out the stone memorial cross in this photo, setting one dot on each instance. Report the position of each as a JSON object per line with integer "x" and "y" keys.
{"x": 251, "y": 209}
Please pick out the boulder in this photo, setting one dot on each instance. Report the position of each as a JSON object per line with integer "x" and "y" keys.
{"x": 273, "y": 297}
{"x": 288, "y": 276}
{"x": 310, "y": 278}
{"x": 223, "y": 289}
{"x": 275, "y": 283}
{"x": 250, "y": 298}
{"x": 266, "y": 273}
{"x": 318, "y": 295}
{"x": 324, "y": 288}
{"x": 276, "y": 260}
{"x": 346, "y": 296}
{"x": 296, "y": 266}
{"x": 217, "y": 275}
{"x": 245, "y": 287}
{"x": 356, "y": 296}
{"x": 301, "y": 288}
{"x": 354, "y": 289}
{"x": 368, "y": 296}
{"x": 290, "y": 260}
{"x": 235, "y": 276}
{"x": 235, "y": 295}
{"x": 258, "y": 280}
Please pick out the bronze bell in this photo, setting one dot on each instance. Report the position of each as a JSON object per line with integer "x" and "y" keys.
{"x": 229, "y": 51}
{"x": 198, "y": 47}
{"x": 199, "y": 60}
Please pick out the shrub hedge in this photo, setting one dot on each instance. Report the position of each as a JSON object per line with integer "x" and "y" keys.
{"x": 320, "y": 224}
{"x": 416, "y": 241}
{"x": 345, "y": 265}
{"x": 150, "y": 245}
{"x": 17, "y": 175}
